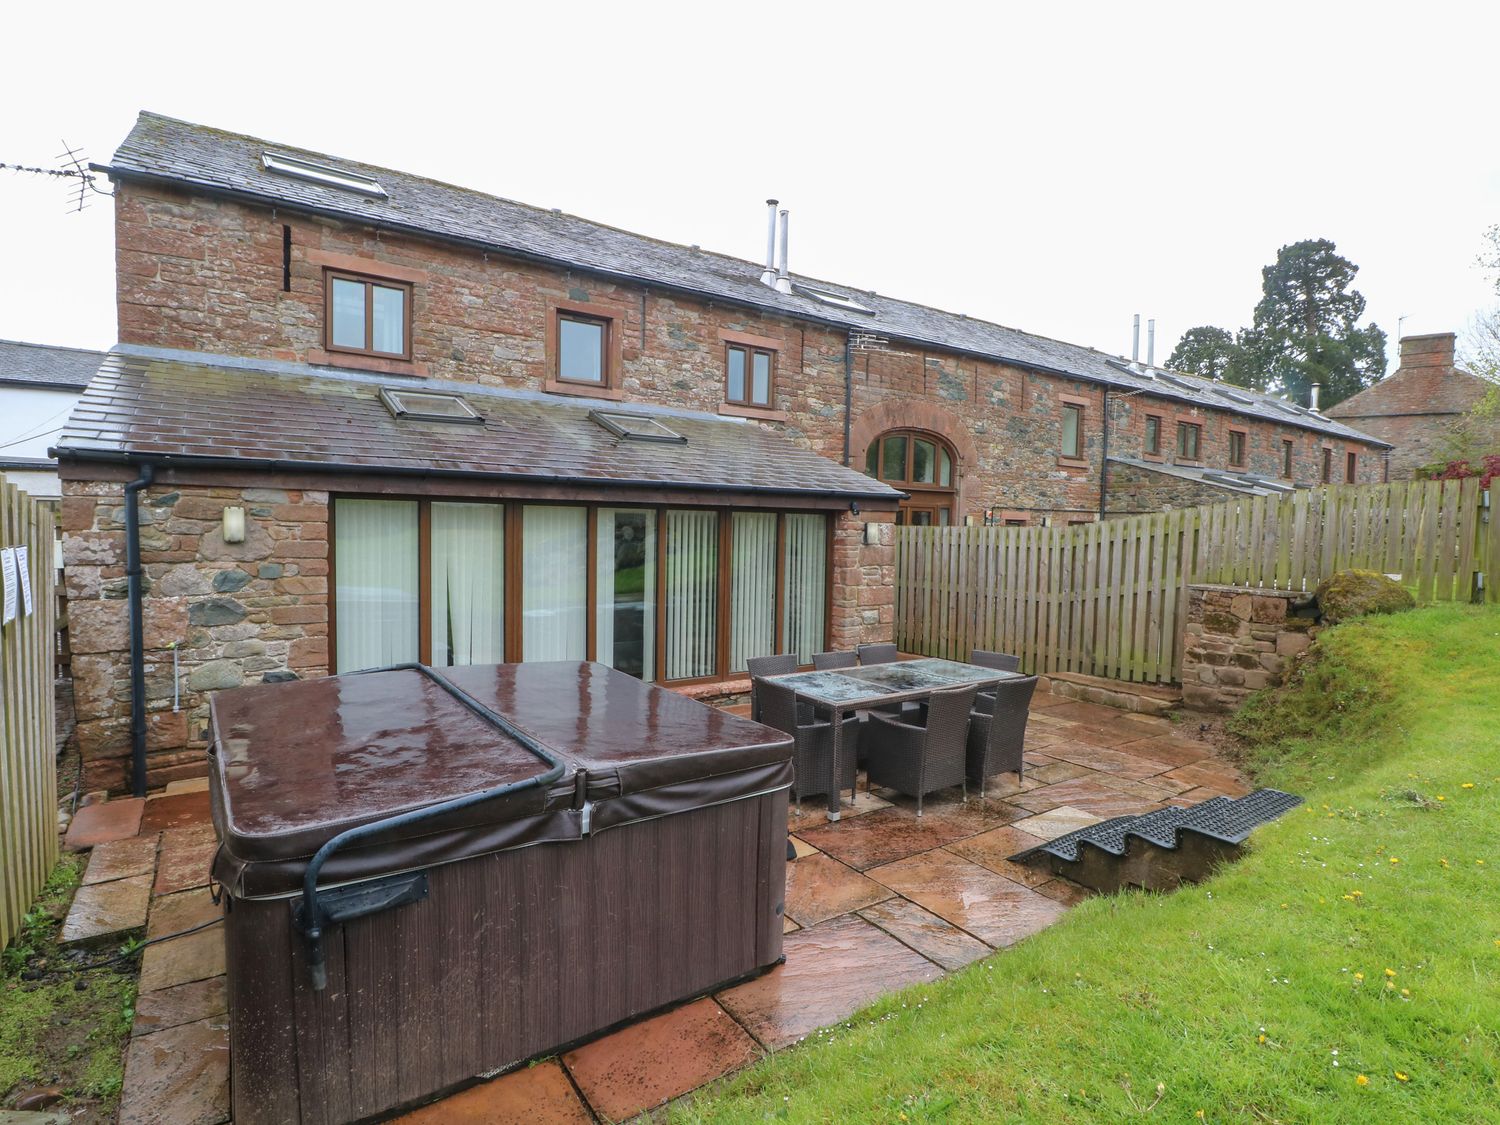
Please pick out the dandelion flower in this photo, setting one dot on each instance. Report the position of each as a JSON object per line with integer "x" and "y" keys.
{"x": 1390, "y": 972}
{"x": 1406, "y": 992}
{"x": 1402, "y": 1076}
{"x": 1361, "y": 1081}
{"x": 1395, "y": 860}
{"x": 1468, "y": 785}
{"x": 1261, "y": 1039}
{"x": 1359, "y": 976}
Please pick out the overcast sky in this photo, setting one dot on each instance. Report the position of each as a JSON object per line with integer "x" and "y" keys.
{"x": 1054, "y": 169}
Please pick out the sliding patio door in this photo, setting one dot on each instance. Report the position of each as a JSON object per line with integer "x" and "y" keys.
{"x": 468, "y": 584}
{"x": 804, "y": 609}
{"x": 692, "y": 607}
{"x": 752, "y": 588}
{"x": 625, "y": 590}
{"x": 375, "y": 598}
{"x": 554, "y": 583}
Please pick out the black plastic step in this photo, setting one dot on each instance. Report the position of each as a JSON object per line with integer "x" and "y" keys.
{"x": 1227, "y": 819}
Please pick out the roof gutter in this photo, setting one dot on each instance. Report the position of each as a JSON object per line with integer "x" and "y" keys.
{"x": 639, "y": 279}
{"x": 159, "y": 461}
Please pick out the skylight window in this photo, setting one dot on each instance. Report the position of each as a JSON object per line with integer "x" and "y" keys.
{"x": 424, "y": 406}
{"x": 1181, "y": 384}
{"x": 634, "y": 427}
{"x": 299, "y": 169}
{"x": 837, "y": 300}
{"x": 1233, "y": 396}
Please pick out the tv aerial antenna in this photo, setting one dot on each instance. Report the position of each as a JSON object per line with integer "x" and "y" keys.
{"x": 871, "y": 342}
{"x": 72, "y": 166}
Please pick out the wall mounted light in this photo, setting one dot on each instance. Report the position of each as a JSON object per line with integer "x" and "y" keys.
{"x": 234, "y": 525}
{"x": 872, "y": 535}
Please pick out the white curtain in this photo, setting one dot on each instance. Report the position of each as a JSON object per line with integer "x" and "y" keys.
{"x": 468, "y": 583}
{"x": 804, "y": 611}
{"x": 752, "y": 588}
{"x": 625, "y": 630}
{"x": 375, "y": 585}
{"x": 554, "y": 584}
{"x": 692, "y": 593}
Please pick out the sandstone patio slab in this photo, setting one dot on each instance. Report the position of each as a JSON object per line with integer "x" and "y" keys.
{"x": 647, "y": 1064}
{"x": 831, "y": 971}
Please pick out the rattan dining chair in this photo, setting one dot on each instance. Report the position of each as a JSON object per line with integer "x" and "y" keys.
{"x": 1001, "y": 661}
{"x": 833, "y": 661}
{"x": 917, "y": 760}
{"x": 877, "y": 654}
{"x": 759, "y": 666}
{"x": 997, "y": 734}
{"x": 813, "y": 756}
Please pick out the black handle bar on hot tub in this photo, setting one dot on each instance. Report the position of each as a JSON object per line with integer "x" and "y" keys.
{"x": 313, "y": 916}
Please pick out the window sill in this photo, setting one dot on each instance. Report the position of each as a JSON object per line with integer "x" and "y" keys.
{"x": 1188, "y": 462}
{"x": 373, "y": 363}
{"x": 764, "y": 413}
{"x": 1072, "y": 463}
{"x": 1154, "y": 458}
{"x": 582, "y": 390}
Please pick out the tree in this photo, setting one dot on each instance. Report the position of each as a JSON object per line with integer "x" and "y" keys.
{"x": 1206, "y": 351}
{"x": 1306, "y": 327}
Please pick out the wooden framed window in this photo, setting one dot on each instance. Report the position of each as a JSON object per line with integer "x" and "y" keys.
{"x": 1327, "y": 470}
{"x": 920, "y": 464}
{"x": 366, "y": 315}
{"x": 662, "y": 593}
{"x": 584, "y": 354}
{"x": 1072, "y": 431}
{"x": 749, "y": 375}
{"x": 1237, "y": 443}
{"x": 1189, "y": 438}
{"x": 1351, "y": 465}
{"x": 1286, "y": 458}
{"x": 582, "y": 349}
{"x": 1153, "y": 435}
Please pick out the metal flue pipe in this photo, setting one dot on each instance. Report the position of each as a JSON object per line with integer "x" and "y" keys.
{"x": 768, "y": 275}
{"x": 783, "y": 279}
{"x": 1151, "y": 342}
{"x": 1135, "y": 340}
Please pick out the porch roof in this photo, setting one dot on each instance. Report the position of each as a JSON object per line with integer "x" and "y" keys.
{"x": 188, "y": 408}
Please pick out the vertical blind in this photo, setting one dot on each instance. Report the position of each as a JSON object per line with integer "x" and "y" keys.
{"x": 692, "y": 594}
{"x": 625, "y": 633}
{"x": 375, "y": 599}
{"x": 378, "y": 603}
{"x": 752, "y": 588}
{"x": 805, "y": 590}
{"x": 468, "y": 584}
{"x": 554, "y": 583}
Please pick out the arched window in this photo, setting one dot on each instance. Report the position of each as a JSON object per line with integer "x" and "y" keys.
{"x": 921, "y": 464}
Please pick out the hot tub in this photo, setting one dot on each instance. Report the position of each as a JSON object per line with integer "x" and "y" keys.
{"x": 633, "y": 857}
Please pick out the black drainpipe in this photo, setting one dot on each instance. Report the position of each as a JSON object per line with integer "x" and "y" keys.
{"x": 137, "y": 630}
{"x": 848, "y": 392}
{"x": 1104, "y": 462}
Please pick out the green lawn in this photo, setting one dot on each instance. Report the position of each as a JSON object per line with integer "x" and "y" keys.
{"x": 1347, "y": 970}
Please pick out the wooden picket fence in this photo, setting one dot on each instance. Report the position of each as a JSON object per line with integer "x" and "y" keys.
{"x": 28, "y": 756}
{"x": 1108, "y": 598}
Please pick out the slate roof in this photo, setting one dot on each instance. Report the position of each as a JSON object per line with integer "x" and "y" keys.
{"x": 43, "y": 365}
{"x": 164, "y": 148}
{"x": 1412, "y": 391}
{"x": 184, "y": 407}
{"x": 1247, "y": 484}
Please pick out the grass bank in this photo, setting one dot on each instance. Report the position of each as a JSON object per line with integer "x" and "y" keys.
{"x": 1347, "y": 970}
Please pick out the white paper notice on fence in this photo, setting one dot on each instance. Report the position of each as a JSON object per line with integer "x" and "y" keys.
{"x": 8, "y": 572}
{"x": 23, "y": 569}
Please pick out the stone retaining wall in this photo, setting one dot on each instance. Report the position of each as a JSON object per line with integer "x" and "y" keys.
{"x": 1238, "y": 641}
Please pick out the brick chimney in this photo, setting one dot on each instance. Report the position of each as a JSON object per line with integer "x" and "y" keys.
{"x": 1431, "y": 351}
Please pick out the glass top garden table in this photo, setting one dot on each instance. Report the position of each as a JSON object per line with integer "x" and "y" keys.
{"x": 873, "y": 685}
